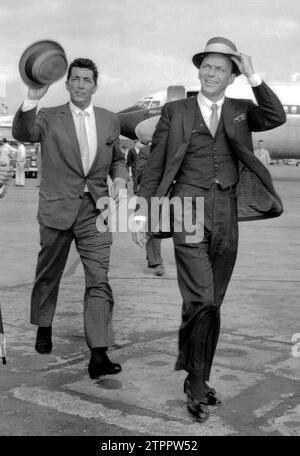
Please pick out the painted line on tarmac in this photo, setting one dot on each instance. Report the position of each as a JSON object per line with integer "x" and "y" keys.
{"x": 271, "y": 405}
{"x": 72, "y": 405}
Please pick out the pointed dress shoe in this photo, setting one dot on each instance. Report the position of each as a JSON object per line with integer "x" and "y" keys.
{"x": 197, "y": 407}
{"x": 43, "y": 343}
{"x": 212, "y": 399}
{"x": 104, "y": 367}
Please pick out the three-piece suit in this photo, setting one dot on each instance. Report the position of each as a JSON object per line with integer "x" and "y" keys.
{"x": 187, "y": 161}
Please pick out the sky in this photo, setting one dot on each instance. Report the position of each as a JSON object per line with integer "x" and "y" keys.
{"x": 142, "y": 46}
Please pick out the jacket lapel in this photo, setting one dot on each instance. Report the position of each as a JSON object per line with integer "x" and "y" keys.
{"x": 67, "y": 120}
{"x": 228, "y": 113}
{"x": 189, "y": 118}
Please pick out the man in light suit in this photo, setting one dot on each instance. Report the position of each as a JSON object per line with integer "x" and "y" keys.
{"x": 5, "y": 175}
{"x": 79, "y": 148}
{"x": 202, "y": 148}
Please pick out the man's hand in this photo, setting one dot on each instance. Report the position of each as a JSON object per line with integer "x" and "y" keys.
{"x": 37, "y": 94}
{"x": 116, "y": 187}
{"x": 139, "y": 234}
{"x": 244, "y": 64}
{"x": 6, "y": 172}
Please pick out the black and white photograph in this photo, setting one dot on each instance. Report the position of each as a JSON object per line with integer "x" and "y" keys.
{"x": 149, "y": 222}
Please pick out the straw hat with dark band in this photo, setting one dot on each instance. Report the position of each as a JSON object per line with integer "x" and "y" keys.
{"x": 218, "y": 45}
{"x": 43, "y": 63}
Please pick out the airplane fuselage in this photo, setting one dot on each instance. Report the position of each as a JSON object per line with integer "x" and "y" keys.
{"x": 281, "y": 142}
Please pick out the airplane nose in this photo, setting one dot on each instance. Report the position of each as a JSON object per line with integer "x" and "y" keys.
{"x": 129, "y": 118}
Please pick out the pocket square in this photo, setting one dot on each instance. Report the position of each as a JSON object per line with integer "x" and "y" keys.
{"x": 239, "y": 118}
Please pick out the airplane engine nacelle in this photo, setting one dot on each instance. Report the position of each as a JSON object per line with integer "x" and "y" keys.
{"x": 144, "y": 130}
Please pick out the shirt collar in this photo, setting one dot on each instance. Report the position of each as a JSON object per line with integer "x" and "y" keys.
{"x": 204, "y": 101}
{"x": 75, "y": 110}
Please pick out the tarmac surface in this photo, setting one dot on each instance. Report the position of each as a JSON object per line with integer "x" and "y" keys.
{"x": 257, "y": 365}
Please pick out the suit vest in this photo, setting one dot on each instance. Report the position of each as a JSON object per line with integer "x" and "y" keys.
{"x": 208, "y": 160}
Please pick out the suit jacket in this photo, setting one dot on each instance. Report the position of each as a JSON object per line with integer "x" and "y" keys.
{"x": 63, "y": 180}
{"x": 255, "y": 192}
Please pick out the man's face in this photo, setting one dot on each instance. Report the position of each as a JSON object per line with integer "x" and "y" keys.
{"x": 215, "y": 74}
{"x": 81, "y": 86}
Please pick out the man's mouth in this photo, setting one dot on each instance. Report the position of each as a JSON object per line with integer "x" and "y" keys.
{"x": 210, "y": 82}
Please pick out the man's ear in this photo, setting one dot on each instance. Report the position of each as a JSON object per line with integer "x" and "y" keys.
{"x": 67, "y": 86}
{"x": 95, "y": 89}
{"x": 232, "y": 78}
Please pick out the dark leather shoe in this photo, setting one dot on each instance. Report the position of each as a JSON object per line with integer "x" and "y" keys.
{"x": 197, "y": 407}
{"x": 105, "y": 367}
{"x": 159, "y": 270}
{"x": 43, "y": 343}
{"x": 212, "y": 399}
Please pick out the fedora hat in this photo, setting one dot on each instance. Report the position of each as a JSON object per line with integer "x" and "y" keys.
{"x": 218, "y": 45}
{"x": 42, "y": 63}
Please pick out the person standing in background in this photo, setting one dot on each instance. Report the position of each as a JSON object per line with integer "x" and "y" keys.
{"x": 262, "y": 154}
{"x": 20, "y": 155}
{"x": 6, "y": 151}
{"x": 153, "y": 244}
{"x": 5, "y": 175}
{"x": 132, "y": 158}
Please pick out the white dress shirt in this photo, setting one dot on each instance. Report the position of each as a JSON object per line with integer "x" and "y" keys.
{"x": 205, "y": 107}
{"x": 90, "y": 125}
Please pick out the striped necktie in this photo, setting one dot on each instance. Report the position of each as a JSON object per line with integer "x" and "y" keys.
{"x": 214, "y": 120}
{"x": 83, "y": 142}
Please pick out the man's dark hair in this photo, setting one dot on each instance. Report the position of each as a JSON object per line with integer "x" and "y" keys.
{"x": 84, "y": 63}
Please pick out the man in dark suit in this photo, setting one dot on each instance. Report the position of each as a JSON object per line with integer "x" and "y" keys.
{"x": 202, "y": 148}
{"x": 132, "y": 159}
{"x": 79, "y": 148}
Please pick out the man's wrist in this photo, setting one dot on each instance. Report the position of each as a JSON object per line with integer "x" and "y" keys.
{"x": 29, "y": 104}
{"x": 254, "y": 80}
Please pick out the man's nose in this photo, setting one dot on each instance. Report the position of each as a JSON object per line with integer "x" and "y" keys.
{"x": 212, "y": 71}
{"x": 81, "y": 83}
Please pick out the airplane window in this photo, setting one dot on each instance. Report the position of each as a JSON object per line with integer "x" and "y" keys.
{"x": 155, "y": 104}
{"x": 294, "y": 110}
{"x": 144, "y": 104}
{"x": 286, "y": 109}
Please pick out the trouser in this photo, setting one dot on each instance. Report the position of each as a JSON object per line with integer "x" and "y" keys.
{"x": 153, "y": 252}
{"x": 20, "y": 174}
{"x": 134, "y": 178}
{"x": 94, "y": 250}
{"x": 204, "y": 270}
